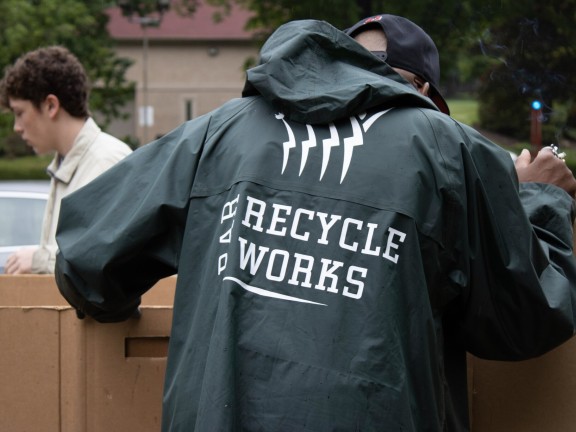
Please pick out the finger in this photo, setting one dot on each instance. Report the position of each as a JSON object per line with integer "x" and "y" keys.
{"x": 523, "y": 159}
{"x": 10, "y": 268}
{"x": 546, "y": 153}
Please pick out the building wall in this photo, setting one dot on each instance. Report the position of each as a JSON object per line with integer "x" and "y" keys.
{"x": 183, "y": 79}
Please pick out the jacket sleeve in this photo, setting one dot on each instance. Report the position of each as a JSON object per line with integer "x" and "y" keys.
{"x": 122, "y": 232}
{"x": 44, "y": 259}
{"x": 516, "y": 251}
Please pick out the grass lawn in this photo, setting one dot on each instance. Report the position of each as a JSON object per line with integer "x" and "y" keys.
{"x": 464, "y": 110}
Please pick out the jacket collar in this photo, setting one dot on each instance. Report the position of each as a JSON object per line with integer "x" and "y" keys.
{"x": 63, "y": 169}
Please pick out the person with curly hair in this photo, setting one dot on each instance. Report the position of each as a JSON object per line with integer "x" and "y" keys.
{"x": 48, "y": 90}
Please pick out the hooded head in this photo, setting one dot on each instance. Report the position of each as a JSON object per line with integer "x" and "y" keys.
{"x": 408, "y": 48}
{"x": 316, "y": 74}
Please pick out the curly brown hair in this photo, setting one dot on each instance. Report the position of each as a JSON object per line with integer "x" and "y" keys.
{"x": 50, "y": 70}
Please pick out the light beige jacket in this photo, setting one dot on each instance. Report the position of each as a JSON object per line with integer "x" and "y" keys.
{"x": 93, "y": 153}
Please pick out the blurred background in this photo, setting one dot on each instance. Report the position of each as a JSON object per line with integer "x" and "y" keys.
{"x": 508, "y": 67}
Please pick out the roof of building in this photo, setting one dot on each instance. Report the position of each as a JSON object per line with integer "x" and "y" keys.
{"x": 200, "y": 26}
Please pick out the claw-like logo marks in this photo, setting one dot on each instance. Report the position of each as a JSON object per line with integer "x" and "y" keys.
{"x": 299, "y": 252}
{"x": 357, "y": 139}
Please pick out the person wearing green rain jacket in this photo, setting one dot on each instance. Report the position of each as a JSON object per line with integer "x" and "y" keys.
{"x": 340, "y": 244}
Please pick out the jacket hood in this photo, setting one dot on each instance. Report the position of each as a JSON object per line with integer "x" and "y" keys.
{"x": 314, "y": 73}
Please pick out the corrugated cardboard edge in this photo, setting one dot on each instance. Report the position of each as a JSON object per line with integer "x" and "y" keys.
{"x": 41, "y": 290}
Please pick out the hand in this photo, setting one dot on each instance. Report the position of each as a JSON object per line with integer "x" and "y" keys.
{"x": 545, "y": 168}
{"x": 20, "y": 262}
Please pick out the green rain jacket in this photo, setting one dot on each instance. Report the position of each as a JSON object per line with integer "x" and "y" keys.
{"x": 339, "y": 244}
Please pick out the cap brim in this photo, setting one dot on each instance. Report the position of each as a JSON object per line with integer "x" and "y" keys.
{"x": 439, "y": 101}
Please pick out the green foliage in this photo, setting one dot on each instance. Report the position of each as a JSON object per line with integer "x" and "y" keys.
{"x": 454, "y": 29}
{"x": 79, "y": 25}
{"x": 467, "y": 111}
{"x": 502, "y": 107}
{"x": 269, "y": 14}
{"x": 24, "y": 168}
{"x": 533, "y": 48}
{"x": 14, "y": 146}
{"x": 512, "y": 52}
{"x": 150, "y": 7}
{"x": 139, "y": 7}
{"x": 520, "y": 51}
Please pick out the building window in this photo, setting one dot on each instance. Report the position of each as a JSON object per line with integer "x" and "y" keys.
{"x": 189, "y": 109}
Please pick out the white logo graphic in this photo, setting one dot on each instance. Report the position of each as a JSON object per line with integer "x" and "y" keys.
{"x": 306, "y": 146}
{"x": 280, "y": 244}
{"x": 357, "y": 139}
{"x": 266, "y": 293}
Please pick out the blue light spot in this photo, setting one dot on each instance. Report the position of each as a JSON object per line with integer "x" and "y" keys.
{"x": 536, "y": 105}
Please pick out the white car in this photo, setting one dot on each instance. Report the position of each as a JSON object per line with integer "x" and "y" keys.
{"x": 22, "y": 204}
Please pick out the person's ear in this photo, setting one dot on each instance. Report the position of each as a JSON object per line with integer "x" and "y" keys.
{"x": 424, "y": 89}
{"x": 52, "y": 105}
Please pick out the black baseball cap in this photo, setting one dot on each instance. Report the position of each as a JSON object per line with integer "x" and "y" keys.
{"x": 409, "y": 48}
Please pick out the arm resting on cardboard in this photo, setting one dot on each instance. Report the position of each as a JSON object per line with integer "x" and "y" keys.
{"x": 83, "y": 307}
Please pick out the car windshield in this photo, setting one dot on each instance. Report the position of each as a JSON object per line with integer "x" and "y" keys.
{"x": 20, "y": 220}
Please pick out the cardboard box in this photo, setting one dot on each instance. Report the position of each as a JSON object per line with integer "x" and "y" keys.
{"x": 41, "y": 290}
{"x": 29, "y": 370}
{"x": 536, "y": 395}
{"x": 62, "y": 374}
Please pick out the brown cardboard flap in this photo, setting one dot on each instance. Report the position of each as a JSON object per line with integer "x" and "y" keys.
{"x": 29, "y": 370}
{"x": 62, "y": 374}
{"x": 125, "y": 393}
{"x": 537, "y": 395}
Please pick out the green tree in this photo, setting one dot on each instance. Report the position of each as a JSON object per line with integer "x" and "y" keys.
{"x": 450, "y": 27}
{"x": 269, "y": 14}
{"x": 79, "y": 25}
{"x": 513, "y": 52}
{"x": 533, "y": 54}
